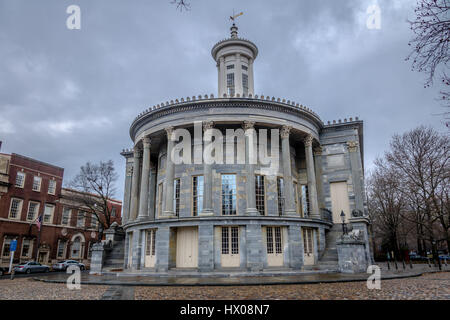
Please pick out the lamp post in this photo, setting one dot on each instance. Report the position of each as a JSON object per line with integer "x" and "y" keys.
{"x": 344, "y": 226}
{"x": 435, "y": 254}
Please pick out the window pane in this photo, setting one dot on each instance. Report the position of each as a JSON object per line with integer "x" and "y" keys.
{"x": 260, "y": 194}
{"x": 197, "y": 185}
{"x": 176, "y": 194}
{"x": 36, "y": 183}
{"x": 245, "y": 83}
{"x": 32, "y": 210}
{"x": 15, "y": 208}
{"x": 234, "y": 240}
{"x": 225, "y": 240}
{"x": 230, "y": 83}
{"x": 278, "y": 248}
{"x": 305, "y": 202}
{"x": 20, "y": 179}
{"x": 228, "y": 194}
{"x": 280, "y": 188}
{"x": 269, "y": 236}
{"x": 51, "y": 186}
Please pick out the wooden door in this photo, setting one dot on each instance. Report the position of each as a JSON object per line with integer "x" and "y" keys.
{"x": 150, "y": 248}
{"x": 274, "y": 246}
{"x": 308, "y": 246}
{"x": 339, "y": 201}
{"x": 230, "y": 247}
{"x": 187, "y": 247}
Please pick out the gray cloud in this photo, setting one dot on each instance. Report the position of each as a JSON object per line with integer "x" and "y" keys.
{"x": 69, "y": 96}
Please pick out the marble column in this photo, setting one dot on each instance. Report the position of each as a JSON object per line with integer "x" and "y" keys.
{"x": 207, "y": 180}
{"x": 170, "y": 172}
{"x": 290, "y": 208}
{"x": 134, "y": 207}
{"x": 312, "y": 190}
{"x": 250, "y": 160}
{"x": 318, "y": 168}
{"x": 152, "y": 193}
{"x": 357, "y": 174}
{"x": 143, "y": 197}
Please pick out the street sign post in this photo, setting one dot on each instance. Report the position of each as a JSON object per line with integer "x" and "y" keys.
{"x": 12, "y": 249}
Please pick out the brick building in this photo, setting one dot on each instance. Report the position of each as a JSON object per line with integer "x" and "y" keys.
{"x": 30, "y": 188}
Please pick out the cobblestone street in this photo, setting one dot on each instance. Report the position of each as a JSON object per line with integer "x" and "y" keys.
{"x": 428, "y": 287}
{"x": 432, "y": 286}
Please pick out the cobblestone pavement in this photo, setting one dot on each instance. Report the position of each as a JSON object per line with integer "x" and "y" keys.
{"x": 431, "y": 286}
{"x": 29, "y": 289}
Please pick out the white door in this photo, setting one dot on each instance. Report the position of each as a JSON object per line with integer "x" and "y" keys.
{"x": 308, "y": 247}
{"x": 339, "y": 201}
{"x": 150, "y": 248}
{"x": 230, "y": 247}
{"x": 187, "y": 247}
{"x": 274, "y": 246}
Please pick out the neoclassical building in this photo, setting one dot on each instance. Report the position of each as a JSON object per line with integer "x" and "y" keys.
{"x": 241, "y": 181}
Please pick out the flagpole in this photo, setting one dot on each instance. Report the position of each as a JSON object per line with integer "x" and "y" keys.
{"x": 38, "y": 240}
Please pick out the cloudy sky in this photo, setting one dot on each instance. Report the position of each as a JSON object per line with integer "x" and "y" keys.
{"x": 69, "y": 96}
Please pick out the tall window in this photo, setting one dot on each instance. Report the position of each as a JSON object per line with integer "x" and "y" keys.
{"x": 230, "y": 66}
{"x": 6, "y": 247}
{"x": 20, "y": 180}
{"x": 176, "y": 196}
{"x": 230, "y": 84}
{"x": 150, "y": 248}
{"x": 308, "y": 240}
{"x": 65, "y": 216}
{"x": 76, "y": 248}
{"x": 16, "y": 208}
{"x": 274, "y": 240}
{"x": 80, "y": 219}
{"x": 305, "y": 201}
{"x": 37, "y": 183}
{"x": 197, "y": 194}
{"x": 113, "y": 212}
{"x": 33, "y": 208}
{"x": 94, "y": 221}
{"x": 61, "y": 248}
{"x": 48, "y": 213}
{"x": 260, "y": 194}
{"x": 26, "y": 248}
{"x": 280, "y": 190}
{"x": 297, "y": 207}
{"x": 245, "y": 83}
{"x": 229, "y": 194}
{"x": 230, "y": 240}
{"x": 244, "y": 67}
{"x": 51, "y": 187}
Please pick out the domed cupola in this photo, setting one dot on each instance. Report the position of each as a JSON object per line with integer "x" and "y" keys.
{"x": 234, "y": 58}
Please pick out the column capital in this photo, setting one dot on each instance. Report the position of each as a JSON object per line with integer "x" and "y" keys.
{"x": 208, "y": 125}
{"x": 352, "y": 146}
{"x": 308, "y": 140}
{"x": 169, "y": 131}
{"x": 248, "y": 125}
{"x": 318, "y": 151}
{"x": 285, "y": 130}
{"x": 137, "y": 152}
{"x": 146, "y": 141}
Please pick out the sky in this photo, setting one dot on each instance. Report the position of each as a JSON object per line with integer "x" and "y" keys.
{"x": 69, "y": 96}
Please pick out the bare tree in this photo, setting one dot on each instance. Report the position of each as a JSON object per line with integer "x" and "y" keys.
{"x": 96, "y": 186}
{"x": 181, "y": 4}
{"x": 431, "y": 44}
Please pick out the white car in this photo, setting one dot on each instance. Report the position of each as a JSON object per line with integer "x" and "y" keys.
{"x": 64, "y": 264}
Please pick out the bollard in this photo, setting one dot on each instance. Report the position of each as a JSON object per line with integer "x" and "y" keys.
{"x": 396, "y": 266}
{"x": 410, "y": 263}
{"x": 429, "y": 264}
{"x": 389, "y": 267}
{"x": 403, "y": 263}
{"x": 13, "y": 272}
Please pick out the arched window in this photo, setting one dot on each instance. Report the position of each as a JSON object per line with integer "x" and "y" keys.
{"x": 77, "y": 248}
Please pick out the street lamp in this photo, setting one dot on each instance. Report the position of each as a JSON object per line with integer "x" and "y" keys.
{"x": 435, "y": 254}
{"x": 344, "y": 226}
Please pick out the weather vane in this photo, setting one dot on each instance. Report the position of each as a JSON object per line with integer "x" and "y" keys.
{"x": 234, "y": 16}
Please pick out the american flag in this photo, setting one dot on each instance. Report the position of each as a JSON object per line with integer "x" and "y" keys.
{"x": 38, "y": 222}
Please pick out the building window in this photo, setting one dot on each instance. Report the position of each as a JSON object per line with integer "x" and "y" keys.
{"x": 274, "y": 240}
{"x": 16, "y": 208}
{"x": 51, "y": 187}
{"x": 244, "y": 68}
{"x": 80, "y": 219}
{"x": 230, "y": 66}
{"x": 33, "y": 208}
{"x": 150, "y": 248}
{"x": 296, "y": 202}
{"x": 48, "y": 213}
{"x": 76, "y": 248}
{"x": 308, "y": 240}
{"x": 61, "y": 249}
{"x": 280, "y": 191}
{"x": 230, "y": 84}
{"x": 26, "y": 248}
{"x": 94, "y": 221}
{"x": 37, "y": 183}
{"x": 245, "y": 83}
{"x": 229, "y": 194}
{"x": 230, "y": 240}
{"x": 20, "y": 180}
{"x": 260, "y": 194}
{"x": 6, "y": 246}
{"x": 160, "y": 199}
{"x": 176, "y": 196}
{"x": 66, "y": 216}
{"x": 197, "y": 194}
{"x": 305, "y": 201}
{"x": 113, "y": 212}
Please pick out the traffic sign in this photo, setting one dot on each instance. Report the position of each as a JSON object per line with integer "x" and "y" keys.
{"x": 13, "y": 245}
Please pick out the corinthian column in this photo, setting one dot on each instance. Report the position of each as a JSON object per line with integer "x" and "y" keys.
{"x": 143, "y": 198}
{"x": 207, "y": 179}
{"x": 250, "y": 160}
{"x": 170, "y": 171}
{"x": 312, "y": 190}
{"x": 290, "y": 208}
{"x": 135, "y": 184}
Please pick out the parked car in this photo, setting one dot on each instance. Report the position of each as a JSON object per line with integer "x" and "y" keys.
{"x": 444, "y": 257}
{"x": 64, "y": 264}
{"x": 30, "y": 267}
{"x": 3, "y": 270}
{"x": 416, "y": 257}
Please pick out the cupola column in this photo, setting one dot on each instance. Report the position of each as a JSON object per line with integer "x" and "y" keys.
{"x": 238, "y": 76}
{"x": 143, "y": 198}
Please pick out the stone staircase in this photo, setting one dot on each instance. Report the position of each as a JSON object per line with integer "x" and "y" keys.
{"x": 329, "y": 258}
{"x": 115, "y": 256}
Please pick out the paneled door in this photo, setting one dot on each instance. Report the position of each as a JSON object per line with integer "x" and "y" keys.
{"x": 150, "y": 248}
{"x": 187, "y": 247}
{"x": 274, "y": 246}
{"x": 230, "y": 247}
{"x": 308, "y": 246}
{"x": 339, "y": 201}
